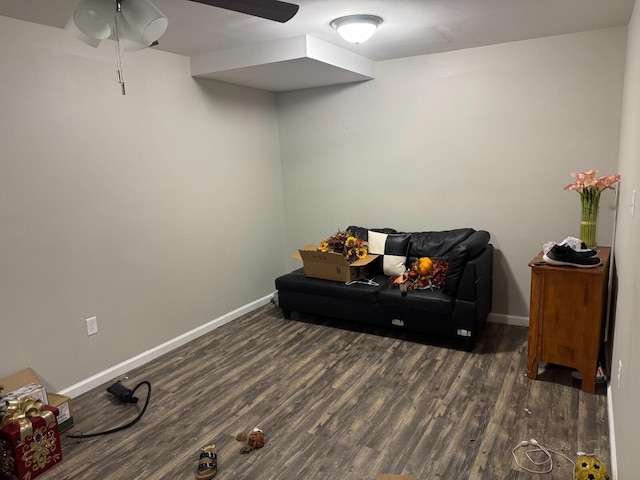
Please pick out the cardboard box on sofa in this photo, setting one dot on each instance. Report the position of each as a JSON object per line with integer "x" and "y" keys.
{"x": 331, "y": 266}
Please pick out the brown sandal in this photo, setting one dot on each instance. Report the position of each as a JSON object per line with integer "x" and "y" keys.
{"x": 208, "y": 463}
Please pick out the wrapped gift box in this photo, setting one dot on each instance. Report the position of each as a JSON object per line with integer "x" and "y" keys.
{"x": 26, "y": 383}
{"x": 31, "y": 442}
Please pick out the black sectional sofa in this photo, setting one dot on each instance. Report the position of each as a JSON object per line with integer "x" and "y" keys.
{"x": 458, "y": 309}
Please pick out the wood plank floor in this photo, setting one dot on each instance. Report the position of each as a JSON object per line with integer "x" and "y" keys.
{"x": 336, "y": 403}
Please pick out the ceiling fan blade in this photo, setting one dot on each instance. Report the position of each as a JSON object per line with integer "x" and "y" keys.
{"x": 270, "y": 9}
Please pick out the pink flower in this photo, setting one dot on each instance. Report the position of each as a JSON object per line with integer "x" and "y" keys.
{"x": 606, "y": 182}
{"x": 589, "y": 187}
{"x": 587, "y": 180}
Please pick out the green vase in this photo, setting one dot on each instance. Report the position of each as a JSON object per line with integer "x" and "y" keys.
{"x": 589, "y": 222}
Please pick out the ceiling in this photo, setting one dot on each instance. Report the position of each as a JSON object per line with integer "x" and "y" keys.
{"x": 239, "y": 48}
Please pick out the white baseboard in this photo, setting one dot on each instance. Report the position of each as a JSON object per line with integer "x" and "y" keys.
{"x": 508, "y": 319}
{"x": 145, "y": 357}
{"x": 124, "y": 367}
{"x": 613, "y": 468}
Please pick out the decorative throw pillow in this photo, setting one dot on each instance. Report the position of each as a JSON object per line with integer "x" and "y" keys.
{"x": 393, "y": 249}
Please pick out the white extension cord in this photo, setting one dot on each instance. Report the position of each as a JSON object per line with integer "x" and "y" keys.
{"x": 539, "y": 456}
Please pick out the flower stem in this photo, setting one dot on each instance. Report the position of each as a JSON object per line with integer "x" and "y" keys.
{"x": 590, "y": 199}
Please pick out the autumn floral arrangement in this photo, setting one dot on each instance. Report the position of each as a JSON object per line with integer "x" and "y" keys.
{"x": 422, "y": 274}
{"x": 344, "y": 243}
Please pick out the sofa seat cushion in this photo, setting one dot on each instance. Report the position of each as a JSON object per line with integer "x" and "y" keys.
{"x": 296, "y": 281}
{"x": 425, "y": 300}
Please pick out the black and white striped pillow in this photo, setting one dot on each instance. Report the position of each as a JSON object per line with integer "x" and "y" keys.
{"x": 393, "y": 248}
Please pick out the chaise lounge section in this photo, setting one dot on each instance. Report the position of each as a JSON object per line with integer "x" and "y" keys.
{"x": 458, "y": 309}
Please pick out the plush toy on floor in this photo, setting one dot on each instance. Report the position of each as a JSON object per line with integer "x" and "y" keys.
{"x": 254, "y": 442}
{"x": 590, "y": 468}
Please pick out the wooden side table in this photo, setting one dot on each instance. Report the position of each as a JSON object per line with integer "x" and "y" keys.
{"x": 567, "y": 310}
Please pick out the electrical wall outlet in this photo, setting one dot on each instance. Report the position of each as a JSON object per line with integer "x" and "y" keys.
{"x": 92, "y": 325}
{"x": 619, "y": 372}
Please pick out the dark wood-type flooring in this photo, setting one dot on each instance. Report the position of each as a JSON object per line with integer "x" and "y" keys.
{"x": 336, "y": 403}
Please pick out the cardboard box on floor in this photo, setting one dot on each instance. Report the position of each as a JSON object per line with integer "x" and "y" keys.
{"x": 26, "y": 383}
{"x": 65, "y": 415}
{"x": 331, "y": 266}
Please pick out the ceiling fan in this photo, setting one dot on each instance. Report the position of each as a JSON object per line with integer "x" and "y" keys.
{"x": 138, "y": 24}
{"x": 270, "y": 9}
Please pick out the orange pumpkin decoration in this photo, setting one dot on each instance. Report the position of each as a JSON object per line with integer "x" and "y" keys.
{"x": 425, "y": 265}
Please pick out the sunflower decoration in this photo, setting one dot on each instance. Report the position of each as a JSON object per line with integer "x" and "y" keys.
{"x": 344, "y": 243}
{"x": 590, "y": 468}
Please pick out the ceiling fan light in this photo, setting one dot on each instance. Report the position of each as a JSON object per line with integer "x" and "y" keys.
{"x": 128, "y": 38}
{"x": 74, "y": 31}
{"x": 147, "y": 22}
{"x": 95, "y": 18}
{"x": 133, "y": 46}
{"x": 356, "y": 28}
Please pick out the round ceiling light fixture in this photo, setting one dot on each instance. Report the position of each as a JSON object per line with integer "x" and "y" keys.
{"x": 356, "y": 28}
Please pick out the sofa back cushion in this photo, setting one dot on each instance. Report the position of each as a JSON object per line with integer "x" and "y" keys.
{"x": 455, "y": 246}
{"x": 436, "y": 245}
{"x": 459, "y": 256}
{"x": 363, "y": 232}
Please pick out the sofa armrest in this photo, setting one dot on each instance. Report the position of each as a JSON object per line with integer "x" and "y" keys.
{"x": 461, "y": 254}
{"x": 477, "y": 279}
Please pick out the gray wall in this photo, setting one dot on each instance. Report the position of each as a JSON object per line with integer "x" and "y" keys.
{"x": 483, "y": 137}
{"x": 625, "y": 382}
{"x": 157, "y": 212}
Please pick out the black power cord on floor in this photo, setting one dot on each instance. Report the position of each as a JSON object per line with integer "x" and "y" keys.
{"x": 125, "y": 395}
